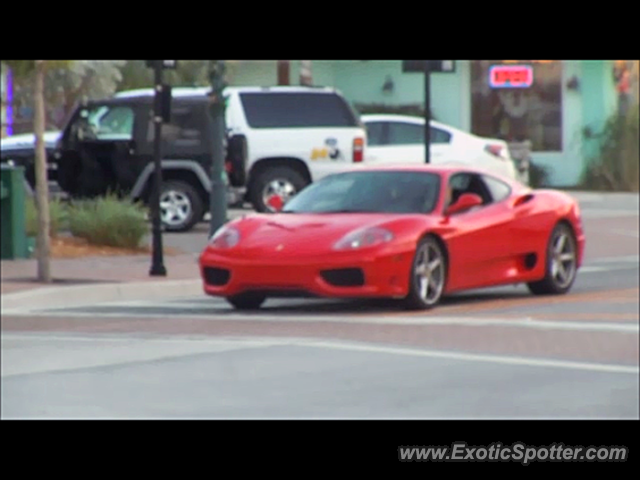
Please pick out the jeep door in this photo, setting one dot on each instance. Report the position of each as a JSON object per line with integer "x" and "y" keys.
{"x": 97, "y": 149}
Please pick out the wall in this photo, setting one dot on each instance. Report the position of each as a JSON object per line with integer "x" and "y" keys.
{"x": 362, "y": 81}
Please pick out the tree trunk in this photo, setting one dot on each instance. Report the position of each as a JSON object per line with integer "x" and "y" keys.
{"x": 306, "y": 78}
{"x": 283, "y": 72}
{"x": 42, "y": 184}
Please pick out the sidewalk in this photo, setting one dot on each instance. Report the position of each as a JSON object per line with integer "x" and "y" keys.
{"x": 20, "y": 275}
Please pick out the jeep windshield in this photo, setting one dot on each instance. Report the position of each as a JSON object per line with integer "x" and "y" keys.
{"x": 369, "y": 192}
{"x": 297, "y": 110}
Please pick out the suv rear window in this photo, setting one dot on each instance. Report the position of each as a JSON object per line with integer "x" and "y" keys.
{"x": 297, "y": 110}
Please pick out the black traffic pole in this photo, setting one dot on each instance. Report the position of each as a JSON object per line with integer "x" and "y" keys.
{"x": 218, "y": 195}
{"x": 157, "y": 263}
{"x": 427, "y": 111}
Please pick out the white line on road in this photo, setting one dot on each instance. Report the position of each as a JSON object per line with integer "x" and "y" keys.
{"x": 352, "y": 346}
{"x": 628, "y": 233}
{"x": 620, "y": 259}
{"x": 504, "y": 360}
{"x": 19, "y": 357}
{"x": 344, "y": 318}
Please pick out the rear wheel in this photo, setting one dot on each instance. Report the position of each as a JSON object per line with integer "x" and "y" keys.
{"x": 180, "y": 206}
{"x": 274, "y": 187}
{"x": 561, "y": 263}
{"x": 247, "y": 301}
{"x": 428, "y": 275}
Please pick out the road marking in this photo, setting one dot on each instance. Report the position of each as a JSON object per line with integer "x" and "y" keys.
{"x": 628, "y": 233}
{"x": 623, "y": 258}
{"x": 531, "y": 301}
{"x": 593, "y": 268}
{"x": 341, "y": 318}
{"x": 125, "y": 351}
{"x": 468, "y": 357}
{"x": 362, "y": 347}
{"x": 596, "y": 317}
{"x": 208, "y": 340}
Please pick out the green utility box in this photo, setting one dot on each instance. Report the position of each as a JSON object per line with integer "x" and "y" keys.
{"x": 13, "y": 233}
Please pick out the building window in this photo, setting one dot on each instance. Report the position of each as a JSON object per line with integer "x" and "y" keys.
{"x": 521, "y": 103}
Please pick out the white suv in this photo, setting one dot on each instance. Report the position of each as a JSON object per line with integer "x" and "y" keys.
{"x": 293, "y": 136}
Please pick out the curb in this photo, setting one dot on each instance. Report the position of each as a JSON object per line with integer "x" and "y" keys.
{"x": 58, "y": 297}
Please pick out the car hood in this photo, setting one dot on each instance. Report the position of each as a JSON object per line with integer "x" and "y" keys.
{"x": 28, "y": 140}
{"x": 305, "y": 233}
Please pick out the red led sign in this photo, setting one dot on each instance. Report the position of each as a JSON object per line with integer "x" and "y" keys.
{"x": 511, "y": 76}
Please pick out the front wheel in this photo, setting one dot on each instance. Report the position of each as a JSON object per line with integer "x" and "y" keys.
{"x": 247, "y": 301}
{"x": 561, "y": 263}
{"x": 181, "y": 207}
{"x": 428, "y": 275}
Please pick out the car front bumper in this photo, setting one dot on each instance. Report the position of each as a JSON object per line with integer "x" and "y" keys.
{"x": 345, "y": 274}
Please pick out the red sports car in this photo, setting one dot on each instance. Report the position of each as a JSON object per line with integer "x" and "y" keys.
{"x": 411, "y": 233}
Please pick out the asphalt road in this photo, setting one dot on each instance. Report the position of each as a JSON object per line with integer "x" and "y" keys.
{"x": 494, "y": 353}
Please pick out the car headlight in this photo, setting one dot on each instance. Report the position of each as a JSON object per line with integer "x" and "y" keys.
{"x": 225, "y": 237}
{"x": 365, "y": 237}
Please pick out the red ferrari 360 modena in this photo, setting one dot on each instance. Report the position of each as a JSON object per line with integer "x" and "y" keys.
{"x": 411, "y": 233}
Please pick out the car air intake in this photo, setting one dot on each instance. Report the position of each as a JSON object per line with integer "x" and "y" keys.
{"x": 216, "y": 276}
{"x": 344, "y": 277}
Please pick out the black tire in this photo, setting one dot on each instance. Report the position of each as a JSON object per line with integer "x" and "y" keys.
{"x": 193, "y": 209}
{"x": 247, "y": 301}
{"x": 416, "y": 299}
{"x": 551, "y": 284}
{"x": 285, "y": 175}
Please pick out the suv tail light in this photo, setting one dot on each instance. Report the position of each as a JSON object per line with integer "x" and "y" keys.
{"x": 358, "y": 149}
{"x": 495, "y": 150}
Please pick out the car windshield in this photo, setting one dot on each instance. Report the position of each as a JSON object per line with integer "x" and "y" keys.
{"x": 374, "y": 192}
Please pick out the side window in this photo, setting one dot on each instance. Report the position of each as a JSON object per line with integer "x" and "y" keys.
{"x": 405, "y": 134}
{"x": 467, "y": 183}
{"x": 499, "y": 190}
{"x": 183, "y": 131}
{"x": 104, "y": 122}
{"x": 439, "y": 136}
{"x": 297, "y": 110}
{"x": 375, "y": 133}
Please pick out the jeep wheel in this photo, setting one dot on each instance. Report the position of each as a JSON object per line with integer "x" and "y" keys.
{"x": 274, "y": 187}
{"x": 181, "y": 207}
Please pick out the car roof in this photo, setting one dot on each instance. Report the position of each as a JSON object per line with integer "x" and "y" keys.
{"x": 199, "y": 92}
{"x": 391, "y": 117}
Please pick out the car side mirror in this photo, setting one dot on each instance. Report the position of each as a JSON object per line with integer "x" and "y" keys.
{"x": 465, "y": 202}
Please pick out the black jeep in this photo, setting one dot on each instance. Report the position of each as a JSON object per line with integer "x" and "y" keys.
{"x": 107, "y": 146}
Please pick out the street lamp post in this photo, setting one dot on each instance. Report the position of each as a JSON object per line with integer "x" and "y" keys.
{"x": 218, "y": 196}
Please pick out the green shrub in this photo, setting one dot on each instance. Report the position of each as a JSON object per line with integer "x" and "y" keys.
{"x": 615, "y": 167}
{"x": 57, "y": 214}
{"x": 109, "y": 221}
{"x": 538, "y": 175}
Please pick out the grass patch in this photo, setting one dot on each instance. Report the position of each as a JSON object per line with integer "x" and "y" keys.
{"x": 57, "y": 213}
{"x": 109, "y": 221}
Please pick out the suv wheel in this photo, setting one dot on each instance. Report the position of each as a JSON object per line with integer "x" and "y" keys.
{"x": 274, "y": 187}
{"x": 181, "y": 207}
